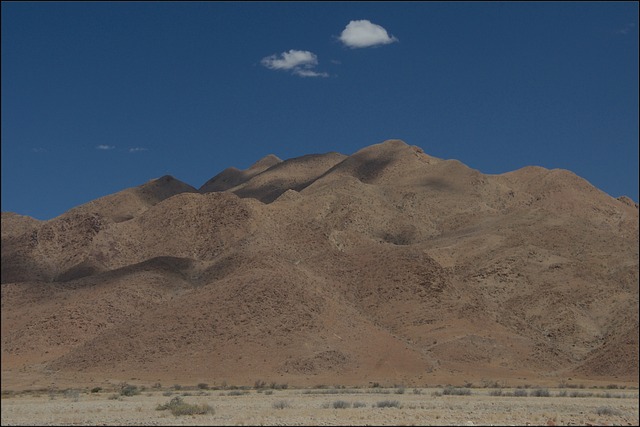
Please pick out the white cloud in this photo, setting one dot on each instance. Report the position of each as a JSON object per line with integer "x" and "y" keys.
{"x": 299, "y": 62}
{"x": 364, "y": 33}
{"x": 290, "y": 60}
{"x": 137, "y": 149}
{"x": 105, "y": 147}
{"x": 38, "y": 150}
{"x": 308, "y": 73}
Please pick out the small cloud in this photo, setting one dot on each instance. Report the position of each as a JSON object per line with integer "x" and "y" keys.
{"x": 300, "y": 62}
{"x": 137, "y": 149}
{"x": 335, "y": 61}
{"x": 105, "y": 147}
{"x": 364, "y": 33}
{"x": 292, "y": 59}
{"x": 308, "y": 73}
{"x": 38, "y": 150}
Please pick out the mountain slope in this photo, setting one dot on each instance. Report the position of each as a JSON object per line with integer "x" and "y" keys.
{"x": 387, "y": 266}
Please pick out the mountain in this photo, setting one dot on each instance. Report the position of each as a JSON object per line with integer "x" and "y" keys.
{"x": 388, "y": 265}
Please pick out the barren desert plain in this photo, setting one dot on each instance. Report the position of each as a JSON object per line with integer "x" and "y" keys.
{"x": 329, "y": 406}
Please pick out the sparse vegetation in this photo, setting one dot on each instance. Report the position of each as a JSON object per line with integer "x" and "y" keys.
{"x": 580, "y": 394}
{"x": 388, "y": 404}
{"x": 540, "y": 392}
{"x": 237, "y": 393}
{"x": 178, "y": 406}
{"x": 359, "y": 404}
{"x": 281, "y": 404}
{"x": 129, "y": 390}
{"x": 454, "y": 391}
{"x": 72, "y": 394}
{"x": 341, "y": 404}
{"x": 519, "y": 392}
{"x": 203, "y": 386}
{"x": 275, "y": 386}
{"x": 96, "y": 390}
{"x": 607, "y": 411}
{"x": 400, "y": 390}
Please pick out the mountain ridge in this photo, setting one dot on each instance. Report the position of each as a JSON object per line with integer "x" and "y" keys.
{"x": 388, "y": 265}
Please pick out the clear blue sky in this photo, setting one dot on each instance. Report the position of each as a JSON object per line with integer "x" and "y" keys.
{"x": 99, "y": 96}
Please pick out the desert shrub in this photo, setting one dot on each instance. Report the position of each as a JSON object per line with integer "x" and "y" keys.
{"x": 580, "y": 394}
{"x": 177, "y": 387}
{"x": 612, "y": 386}
{"x": 520, "y": 392}
{"x": 490, "y": 383}
{"x": 72, "y": 394}
{"x": 203, "y": 386}
{"x": 259, "y": 384}
{"x": 281, "y": 404}
{"x": 453, "y": 391}
{"x": 375, "y": 385}
{"x": 400, "y": 390}
{"x": 96, "y": 390}
{"x": 341, "y": 404}
{"x": 540, "y": 392}
{"x": 237, "y": 393}
{"x": 607, "y": 410}
{"x": 417, "y": 391}
{"x": 167, "y": 393}
{"x": 359, "y": 404}
{"x": 275, "y": 386}
{"x": 496, "y": 392}
{"x": 114, "y": 397}
{"x": 562, "y": 393}
{"x": 388, "y": 404}
{"x": 178, "y": 406}
{"x": 268, "y": 392}
{"x": 129, "y": 390}
{"x": 156, "y": 385}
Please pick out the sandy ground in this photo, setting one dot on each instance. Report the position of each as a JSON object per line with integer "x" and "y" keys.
{"x": 315, "y": 407}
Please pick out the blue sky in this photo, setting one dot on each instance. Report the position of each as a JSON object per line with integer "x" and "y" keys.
{"x": 101, "y": 96}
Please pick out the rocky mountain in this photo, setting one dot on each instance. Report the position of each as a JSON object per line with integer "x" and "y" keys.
{"x": 388, "y": 265}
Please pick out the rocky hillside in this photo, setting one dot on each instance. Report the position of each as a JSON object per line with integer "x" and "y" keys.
{"x": 387, "y": 266}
